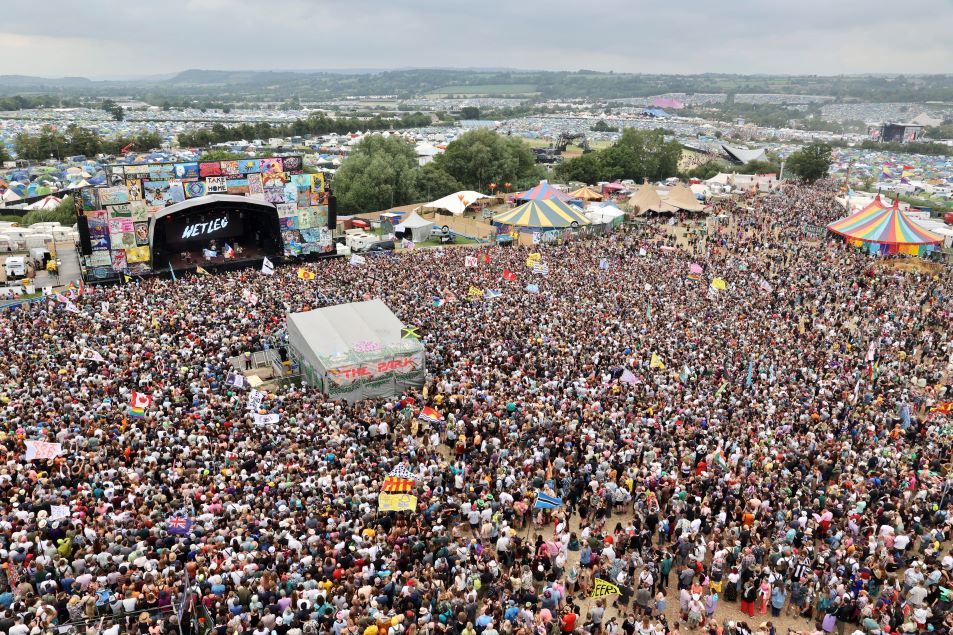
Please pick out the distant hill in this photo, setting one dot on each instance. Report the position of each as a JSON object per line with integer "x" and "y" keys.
{"x": 27, "y": 81}
{"x": 584, "y": 84}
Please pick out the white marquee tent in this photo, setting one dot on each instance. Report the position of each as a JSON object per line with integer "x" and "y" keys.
{"x": 355, "y": 351}
{"x": 456, "y": 203}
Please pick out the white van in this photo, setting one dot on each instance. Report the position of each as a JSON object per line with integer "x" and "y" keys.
{"x": 15, "y": 267}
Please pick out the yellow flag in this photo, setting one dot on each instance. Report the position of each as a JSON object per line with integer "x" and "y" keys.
{"x": 719, "y": 284}
{"x": 603, "y": 588}
{"x": 533, "y": 259}
{"x": 304, "y": 274}
{"x": 201, "y": 271}
{"x": 126, "y": 278}
{"x": 656, "y": 362}
{"x": 475, "y": 293}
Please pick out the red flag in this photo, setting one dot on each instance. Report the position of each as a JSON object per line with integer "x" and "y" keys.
{"x": 126, "y": 149}
{"x": 508, "y": 275}
{"x": 485, "y": 258}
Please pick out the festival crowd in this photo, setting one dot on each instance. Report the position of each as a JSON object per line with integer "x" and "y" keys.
{"x": 732, "y": 460}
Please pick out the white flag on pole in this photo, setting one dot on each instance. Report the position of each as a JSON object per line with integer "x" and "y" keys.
{"x": 357, "y": 260}
{"x": 91, "y": 354}
{"x": 267, "y": 267}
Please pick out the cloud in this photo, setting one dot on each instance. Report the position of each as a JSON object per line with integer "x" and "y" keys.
{"x": 107, "y": 37}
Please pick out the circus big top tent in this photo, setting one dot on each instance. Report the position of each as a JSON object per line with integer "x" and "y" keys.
{"x": 543, "y": 192}
{"x": 885, "y": 230}
{"x": 546, "y": 214}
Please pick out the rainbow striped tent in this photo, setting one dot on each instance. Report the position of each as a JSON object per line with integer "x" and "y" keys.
{"x": 542, "y": 192}
{"x": 884, "y": 229}
{"x": 548, "y": 214}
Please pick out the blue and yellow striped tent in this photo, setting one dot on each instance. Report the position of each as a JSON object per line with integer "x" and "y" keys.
{"x": 548, "y": 214}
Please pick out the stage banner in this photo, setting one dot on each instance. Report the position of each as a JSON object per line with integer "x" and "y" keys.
{"x": 194, "y": 189}
{"x": 291, "y": 164}
{"x": 134, "y": 186}
{"x": 156, "y": 193}
{"x": 186, "y": 170}
{"x": 271, "y": 166}
{"x": 210, "y": 168}
{"x": 114, "y": 195}
{"x": 142, "y": 233}
{"x": 137, "y": 254}
{"x": 216, "y": 185}
{"x": 249, "y": 166}
{"x": 161, "y": 172}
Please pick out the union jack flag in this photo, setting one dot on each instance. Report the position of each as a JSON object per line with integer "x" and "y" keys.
{"x": 179, "y": 525}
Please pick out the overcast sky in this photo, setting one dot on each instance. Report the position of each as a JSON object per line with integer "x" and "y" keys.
{"x": 107, "y": 38}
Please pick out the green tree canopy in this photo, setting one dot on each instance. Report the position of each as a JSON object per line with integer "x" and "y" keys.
{"x": 637, "y": 155}
{"x": 431, "y": 183}
{"x": 378, "y": 173}
{"x": 810, "y": 163}
{"x": 586, "y": 168}
{"x": 480, "y": 157}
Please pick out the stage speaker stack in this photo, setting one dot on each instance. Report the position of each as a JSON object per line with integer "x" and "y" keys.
{"x": 82, "y": 226}
{"x": 332, "y": 211}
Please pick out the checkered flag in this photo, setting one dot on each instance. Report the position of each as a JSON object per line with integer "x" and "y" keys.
{"x": 401, "y": 471}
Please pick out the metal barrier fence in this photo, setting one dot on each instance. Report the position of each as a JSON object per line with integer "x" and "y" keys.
{"x": 128, "y": 621}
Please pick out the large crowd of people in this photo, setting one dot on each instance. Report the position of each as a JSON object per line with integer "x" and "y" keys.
{"x": 742, "y": 460}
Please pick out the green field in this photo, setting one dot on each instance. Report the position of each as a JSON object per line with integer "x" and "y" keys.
{"x": 479, "y": 90}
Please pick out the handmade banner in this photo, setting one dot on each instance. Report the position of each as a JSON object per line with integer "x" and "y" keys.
{"x": 255, "y": 397}
{"x": 602, "y": 588}
{"x": 266, "y": 419}
{"x": 41, "y": 450}
{"x": 396, "y": 502}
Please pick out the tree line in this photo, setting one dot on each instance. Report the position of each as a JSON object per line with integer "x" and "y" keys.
{"x": 76, "y": 140}
{"x": 383, "y": 172}
{"x": 316, "y": 124}
{"x": 637, "y": 155}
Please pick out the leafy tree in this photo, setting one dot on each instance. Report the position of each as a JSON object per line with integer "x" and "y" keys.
{"x": 641, "y": 154}
{"x": 48, "y": 143}
{"x": 602, "y": 126}
{"x": 706, "y": 171}
{"x": 480, "y": 157}
{"x": 114, "y": 109}
{"x": 379, "y": 173}
{"x": 430, "y": 182}
{"x": 469, "y": 112}
{"x": 637, "y": 155}
{"x": 810, "y": 163}
{"x": 64, "y": 214}
{"x": 4, "y": 155}
{"x": 83, "y": 141}
{"x": 760, "y": 167}
{"x": 586, "y": 168}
